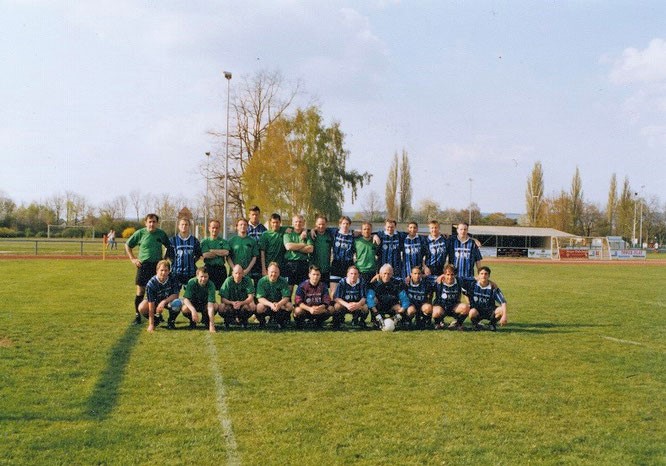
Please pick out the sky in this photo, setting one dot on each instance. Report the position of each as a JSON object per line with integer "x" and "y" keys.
{"x": 106, "y": 97}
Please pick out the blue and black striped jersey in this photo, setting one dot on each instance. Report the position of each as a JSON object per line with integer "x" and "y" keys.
{"x": 350, "y": 293}
{"x": 186, "y": 252}
{"x": 485, "y": 298}
{"x": 464, "y": 256}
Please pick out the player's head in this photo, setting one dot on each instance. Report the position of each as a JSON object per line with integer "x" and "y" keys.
{"x": 415, "y": 274}
{"x": 214, "y": 228}
{"x": 298, "y": 222}
{"x": 449, "y": 274}
{"x": 413, "y": 228}
{"x": 484, "y": 275}
{"x": 162, "y": 269}
{"x": 433, "y": 225}
{"x": 344, "y": 223}
{"x": 352, "y": 274}
{"x": 275, "y": 222}
{"x": 273, "y": 271}
{"x": 254, "y": 215}
{"x": 241, "y": 226}
{"x": 183, "y": 226}
{"x": 202, "y": 275}
{"x": 320, "y": 223}
{"x": 314, "y": 274}
{"x": 390, "y": 225}
{"x": 386, "y": 273}
{"x": 366, "y": 229}
{"x": 238, "y": 273}
{"x": 151, "y": 221}
{"x": 463, "y": 228}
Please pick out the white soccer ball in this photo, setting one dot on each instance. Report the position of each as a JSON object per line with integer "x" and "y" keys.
{"x": 176, "y": 304}
{"x": 389, "y": 325}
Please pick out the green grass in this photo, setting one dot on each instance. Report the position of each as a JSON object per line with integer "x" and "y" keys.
{"x": 578, "y": 377}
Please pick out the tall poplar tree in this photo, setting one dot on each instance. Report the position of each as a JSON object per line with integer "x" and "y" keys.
{"x": 391, "y": 193}
{"x": 611, "y": 206}
{"x": 405, "y": 207}
{"x": 534, "y": 195}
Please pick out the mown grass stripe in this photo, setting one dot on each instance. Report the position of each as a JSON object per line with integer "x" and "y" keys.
{"x": 222, "y": 410}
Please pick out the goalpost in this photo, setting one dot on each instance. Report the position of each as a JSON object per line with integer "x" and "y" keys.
{"x": 580, "y": 248}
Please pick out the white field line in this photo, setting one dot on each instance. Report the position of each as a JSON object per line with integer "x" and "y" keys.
{"x": 222, "y": 410}
{"x": 626, "y": 342}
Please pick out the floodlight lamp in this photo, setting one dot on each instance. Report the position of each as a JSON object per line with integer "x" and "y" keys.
{"x": 227, "y": 74}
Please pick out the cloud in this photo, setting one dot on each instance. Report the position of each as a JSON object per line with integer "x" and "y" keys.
{"x": 655, "y": 135}
{"x": 641, "y": 66}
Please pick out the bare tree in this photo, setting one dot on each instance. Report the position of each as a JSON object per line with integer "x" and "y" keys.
{"x": 372, "y": 207}
{"x": 135, "y": 200}
{"x": 256, "y": 102}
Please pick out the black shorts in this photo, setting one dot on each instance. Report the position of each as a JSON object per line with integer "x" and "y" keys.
{"x": 145, "y": 273}
{"x": 201, "y": 307}
{"x": 183, "y": 279}
{"x": 217, "y": 274}
{"x": 339, "y": 270}
{"x": 449, "y": 310}
{"x": 326, "y": 278}
{"x": 488, "y": 314}
{"x": 296, "y": 271}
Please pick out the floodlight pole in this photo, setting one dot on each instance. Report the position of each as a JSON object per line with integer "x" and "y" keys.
{"x": 633, "y": 235}
{"x": 227, "y": 76}
{"x": 470, "y": 201}
{"x": 207, "y": 191}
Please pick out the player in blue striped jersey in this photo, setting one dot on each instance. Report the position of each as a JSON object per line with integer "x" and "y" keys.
{"x": 161, "y": 290}
{"x": 350, "y": 297}
{"x": 413, "y": 249}
{"x": 448, "y": 294}
{"x": 436, "y": 251}
{"x": 486, "y": 301}
{"x": 419, "y": 291}
{"x": 464, "y": 253}
{"x": 254, "y": 230}
{"x": 184, "y": 253}
{"x": 390, "y": 247}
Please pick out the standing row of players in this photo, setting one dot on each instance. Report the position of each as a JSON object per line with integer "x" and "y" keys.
{"x": 293, "y": 249}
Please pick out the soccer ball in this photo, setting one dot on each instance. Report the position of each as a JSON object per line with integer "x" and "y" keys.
{"x": 176, "y": 304}
{"x": 389, "y": 325}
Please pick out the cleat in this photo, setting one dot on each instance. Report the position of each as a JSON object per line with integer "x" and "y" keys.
{"x": 479, "y": 327}
{"x": 158, "y": 319}
{"x": 379, "y": 322}
{"x": 492, "y": 327}
{"x": 171, "y": 325}
{"x": 454, "y": 326}
{"x": 137, "y": 319}
{"x": 193, "y": 325}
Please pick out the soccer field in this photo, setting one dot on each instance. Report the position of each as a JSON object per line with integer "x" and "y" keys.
{"x": 578, "y": 377}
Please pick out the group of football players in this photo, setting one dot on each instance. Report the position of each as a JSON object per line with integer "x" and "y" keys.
{"x": 283, "y": 276}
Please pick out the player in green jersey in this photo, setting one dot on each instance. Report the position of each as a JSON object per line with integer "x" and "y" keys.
{"x": 199, "y": 298}
{"x": 150, "y": 241}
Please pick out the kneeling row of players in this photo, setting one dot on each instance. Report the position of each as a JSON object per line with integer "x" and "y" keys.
{"x": 390, "y": 302}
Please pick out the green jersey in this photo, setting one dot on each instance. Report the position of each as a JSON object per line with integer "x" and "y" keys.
{"x": 293, "y": 237}
{"x": 321, "y": 255}
{"x": 366, "y": 255}
{"x": 271, "y": 243}
{"x": 214, "y": 243}
{"x": 150, "y": 244}
{"x": 233, "y": 291}
{"x": 199, "y": 294}
{"x": 273, "y": 292}
{"x": 242, "y": 249}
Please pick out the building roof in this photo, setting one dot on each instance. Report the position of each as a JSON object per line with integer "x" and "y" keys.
{"x": 491, "y": 230}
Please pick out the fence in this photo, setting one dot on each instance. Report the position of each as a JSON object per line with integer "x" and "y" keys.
{"x": 57, "y": 247}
